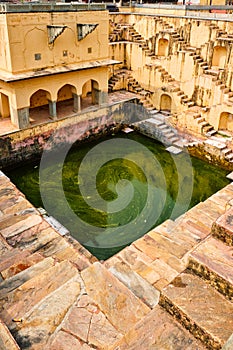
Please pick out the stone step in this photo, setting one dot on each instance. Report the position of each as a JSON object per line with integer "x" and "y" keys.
{"x": 158, "y": 331}
{"x": 154, "y": 121}
{"x": 199, "y": 308}
{"x": 229, "y": 156}
{"x": 211, "y": 132}
{"x": 7, "y": 342}
{"x": 138, "y": 285}
{"x": 20, "y": 263}
{"x": 206, "y": 129}
{"x": 156, "y": 272}
{"x": 121, "y": 307}
{"x": 37, "y": 324}
{"x": 158, "y": 247}
{"x": 174, "y": 139}
{"x": 19, "y": 301}
{"x": 223, "y": 227}
{"x": 177, "y": 233}
{"x": 226, "y": 151}
{"x": 212, "y": 260}
{"x": 170, "y": 135}
{"x": 190, "y": 103}
{"x": 16, "y": 281}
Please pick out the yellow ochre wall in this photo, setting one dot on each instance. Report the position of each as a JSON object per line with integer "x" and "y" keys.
{"x": 28, "y": 36}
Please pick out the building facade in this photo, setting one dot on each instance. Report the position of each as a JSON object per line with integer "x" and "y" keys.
{"x": 52, "y": 57}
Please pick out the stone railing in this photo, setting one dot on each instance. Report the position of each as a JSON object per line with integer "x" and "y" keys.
{"x": 50, "y": 7}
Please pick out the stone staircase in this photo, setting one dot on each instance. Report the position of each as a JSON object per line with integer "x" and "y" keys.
{"x": 118, "y": 81}
{"x": 216, "y": 73}
{"x": 202, "y": 126}
{"x": 124, "y": 80}
{"x": 155, "y": 126}
{"x": 170, "y": 289}
{"x": 127, "y": 32}
{"x": 171, "y": 84}
{"x": 185, "y": 260}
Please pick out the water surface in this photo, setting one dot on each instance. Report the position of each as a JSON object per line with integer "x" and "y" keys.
{"x": 116, "y": 198}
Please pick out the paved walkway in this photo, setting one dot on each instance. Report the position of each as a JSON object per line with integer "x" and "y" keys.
{"x": 40, "y": 115}
{"x": 171, "y": 289}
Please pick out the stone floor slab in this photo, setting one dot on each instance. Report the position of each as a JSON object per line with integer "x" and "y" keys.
{"x": 200, "y": 308}
{"x": 139, "y": 286}
{"x": 28, "y": 294}
{"x": 39, "y": 323}
{"x": 223, "y": 227}
{"x": 7, "y": 342}
{"x": 213, "y": 260}
{"x": 158, "y": 331}
{"x": 86, "y": 322}
{"x": 117, "y": 302}
{"x": 14, "y": 282}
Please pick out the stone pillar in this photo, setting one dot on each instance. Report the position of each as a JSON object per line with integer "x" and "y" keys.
{"x": 102, "y": 97}
{"x": 77, "y": 102}
{"x": 53, "y": 109}
{"x": 23, "y": 118}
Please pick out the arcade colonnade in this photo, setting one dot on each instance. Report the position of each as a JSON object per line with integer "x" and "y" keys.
{"x": 52, "y": 95}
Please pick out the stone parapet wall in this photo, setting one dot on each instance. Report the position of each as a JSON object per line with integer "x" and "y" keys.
{"x": 51, "y": 7}
{"x": 29, "y": 143}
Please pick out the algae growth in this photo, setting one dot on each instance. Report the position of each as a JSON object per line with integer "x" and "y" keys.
{"x": 126, "y": 197}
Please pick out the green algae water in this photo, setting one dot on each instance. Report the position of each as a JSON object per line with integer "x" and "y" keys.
{"x": 112, "y": 191}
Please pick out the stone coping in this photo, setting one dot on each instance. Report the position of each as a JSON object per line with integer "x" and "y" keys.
{"x": 50, "y": 7}
{"x": 10, "y": 77}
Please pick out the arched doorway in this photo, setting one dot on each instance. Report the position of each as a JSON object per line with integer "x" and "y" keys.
{"x": 7, "y": 124}
{"x": 39, "y": 110}
{"x": 4, "y": 106}
{"x": 165, "y": 103}
{"x": 163, "y": 47}
{"x": 226, "y": 121}
{"x": 90, "y": 93}
{"x": 66, "y": 98}
{"x": 219, "y": 56}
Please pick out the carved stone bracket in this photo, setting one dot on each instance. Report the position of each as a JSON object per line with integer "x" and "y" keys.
{"x": 85, "y": 29}
{"x": 54, "y": 31}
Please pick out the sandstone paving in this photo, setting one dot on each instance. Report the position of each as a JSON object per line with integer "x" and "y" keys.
{"x": 63, "y": 341}
{"x": 12, "y": 256}
{"x": 34, "y": 238}
{"x": 200, "y": 308}
{"x": 4, "y": 246}
{"x": 89, "y": 324}
{"x": 19, "y": 301}
{"x": 23, "y": 263}
{"x": 7, "y": 342}
{"x": 196, "y": 226}
{"x": 15, "y": 281}
{"x": 20, "y": 205}
{"x": 122, "y": 308}
{"x": 39, "y": 322}
{"x": 138, "y": 285}
{"x": 48, "y": 304}
{"x": 213, "y": 260}
{"x": 178, "y": 234}
{"x": 17, "y": 224}
{"x": 158, "y": 331}
{"x": 211, "y": 208}
{"x": 137, "y": 261}
{"x": 158, "y": 250}
{"x": 223, "y": 227}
